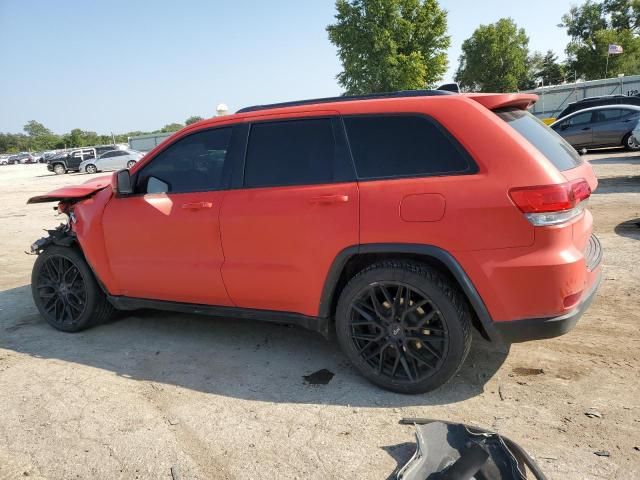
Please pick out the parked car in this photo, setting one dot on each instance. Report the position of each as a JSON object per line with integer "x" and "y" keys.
{"x": 600, "y": 127}
{"x": 599, "y": 102}
{"x": 20, "y": 158}
{"x": 70, "y": 161}
{"x": 4, "y": 159}
{"x": 397, "y": 220}
{"x": 113, "y": 160}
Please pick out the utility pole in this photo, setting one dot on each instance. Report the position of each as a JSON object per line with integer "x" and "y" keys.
{"x": 113, "y": 139}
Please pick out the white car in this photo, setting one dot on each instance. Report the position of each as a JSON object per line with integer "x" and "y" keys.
{"x": 112, "y": 160}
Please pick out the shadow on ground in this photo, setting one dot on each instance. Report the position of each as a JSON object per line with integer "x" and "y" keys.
{"x": 235, "y": 358}
{"x": 630, "y": 229}
{"x": 623, "y": 184}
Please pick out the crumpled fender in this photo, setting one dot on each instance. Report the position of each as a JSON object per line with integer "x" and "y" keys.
{"x": 74, "y": 192}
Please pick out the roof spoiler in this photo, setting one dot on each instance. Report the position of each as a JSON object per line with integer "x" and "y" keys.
{"x": 495, "y": 101}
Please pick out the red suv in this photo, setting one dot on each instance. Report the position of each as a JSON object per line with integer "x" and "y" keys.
{"x": 399, "y": 221}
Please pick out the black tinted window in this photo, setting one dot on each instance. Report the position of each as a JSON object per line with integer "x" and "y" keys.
{"x": 547, "y": 141}
{"x": 608, "y": 114}
{"x": 403, "y": 145}
{"x": 192, "y": 164}
{"x": 293, "y": 152}
{"x": 580, "y": 119}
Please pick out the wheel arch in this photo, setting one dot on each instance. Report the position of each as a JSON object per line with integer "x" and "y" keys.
{"x": 353, "y": 259}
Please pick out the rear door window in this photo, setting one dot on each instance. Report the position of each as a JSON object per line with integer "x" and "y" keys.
{"x": 547, "y": 141}
{"x": 608, "y": 114}
{"x": 389, "y": 146}
{"x": 295, "y": 152}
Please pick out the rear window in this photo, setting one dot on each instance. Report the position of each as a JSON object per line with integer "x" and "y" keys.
{"x": 548, "y": 142}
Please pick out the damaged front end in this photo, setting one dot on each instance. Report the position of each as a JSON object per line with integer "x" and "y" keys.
{"x": 62, "y": 235}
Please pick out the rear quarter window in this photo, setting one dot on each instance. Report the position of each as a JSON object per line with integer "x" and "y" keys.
{"x": 562, "y": 155}
{"x": 390, "y": 146}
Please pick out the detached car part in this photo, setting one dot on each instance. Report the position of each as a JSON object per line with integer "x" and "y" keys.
{"x": 454, "y": 451}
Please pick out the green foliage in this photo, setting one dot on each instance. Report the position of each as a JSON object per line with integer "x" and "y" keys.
{"x": 593, "y": 26}
{"x": 171, "y": 127}
{"x": 544, "y": 70}
{"x": 389, "y": 45}
{"x": 193, "y": 119}
{"x": 495, "y": 59}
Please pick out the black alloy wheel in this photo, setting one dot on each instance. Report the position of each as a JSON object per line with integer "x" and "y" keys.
{"x": 62, "y": 290}
{"x": 405, "y": 326}
{"x": 65, "y": 290}
{"x": 398, "y": 332}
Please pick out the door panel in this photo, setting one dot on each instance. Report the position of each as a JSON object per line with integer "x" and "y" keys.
{"x": 167, "y": 246}
{"x": 280, "y": 242}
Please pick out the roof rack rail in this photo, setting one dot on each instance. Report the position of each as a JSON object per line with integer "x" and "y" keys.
{"x": 348, "y": 98}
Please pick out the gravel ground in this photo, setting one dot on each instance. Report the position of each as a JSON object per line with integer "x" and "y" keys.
{"x": 215, "y": 398}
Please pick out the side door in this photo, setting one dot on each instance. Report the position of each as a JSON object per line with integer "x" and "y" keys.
{"x": 113, "y": 160}
{"x": 294, "y": 208}
{"x": 163, "y": 241}
{"x": 577, "y": 130}
{"x": 609, "y": 127}
{"x": 105, "y": 161}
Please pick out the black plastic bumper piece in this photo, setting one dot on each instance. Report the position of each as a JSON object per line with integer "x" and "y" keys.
{"x": 540, "y": 328}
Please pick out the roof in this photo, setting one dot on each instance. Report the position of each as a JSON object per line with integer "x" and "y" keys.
{"x": 348, "y": 98}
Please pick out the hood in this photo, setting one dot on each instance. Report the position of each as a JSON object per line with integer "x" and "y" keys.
{"x": 74, "y": 192}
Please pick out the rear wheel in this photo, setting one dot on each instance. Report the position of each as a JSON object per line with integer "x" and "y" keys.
{"x": 91, "y": 168}
{"x": 404, "y": 326}
{"x": 59, "y": 169}
{"x": 66, "y": 292}
{"x": 631, "y": 143}
{"x": 131, "y": 163}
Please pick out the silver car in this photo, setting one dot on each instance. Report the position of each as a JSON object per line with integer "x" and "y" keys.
{"x": 113, "y": 160}
{"x": 596, "y": 127}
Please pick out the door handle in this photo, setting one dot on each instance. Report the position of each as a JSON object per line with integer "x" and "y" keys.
{"x": 326, "y": 199}
{"x": 586, "y": 128}
{"x": 197, "y": 205}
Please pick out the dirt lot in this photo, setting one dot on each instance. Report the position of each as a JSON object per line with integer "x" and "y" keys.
{"x": 217, "y": 398}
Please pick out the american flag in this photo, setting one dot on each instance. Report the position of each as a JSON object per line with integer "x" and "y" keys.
{"x": 615, "y": 49}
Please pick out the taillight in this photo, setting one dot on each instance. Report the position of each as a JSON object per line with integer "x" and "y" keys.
{"x": 551, "y": 204}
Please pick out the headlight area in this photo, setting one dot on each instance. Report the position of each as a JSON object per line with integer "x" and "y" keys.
{"x": 61, "y": 235}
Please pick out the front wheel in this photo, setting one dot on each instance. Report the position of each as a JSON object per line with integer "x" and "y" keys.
{"x": 66, "y": 292}
{"x": 131, "y": 163}
{"x": 91, "y": 168}
{"x": 404, "y": 326}
{"x": 59, "y": 169}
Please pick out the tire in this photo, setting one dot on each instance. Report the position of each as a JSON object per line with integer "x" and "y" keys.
{"x": 66, "y": 292}
{"x": 59, "y": 169}
{"x": 392, "y": 347}
{"x": 131, "y": 163}
{"x": 631, "y": 143}
{"x": 91, "y": 168}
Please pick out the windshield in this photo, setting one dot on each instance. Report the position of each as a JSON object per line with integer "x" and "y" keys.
{"x": 548, "y": 142}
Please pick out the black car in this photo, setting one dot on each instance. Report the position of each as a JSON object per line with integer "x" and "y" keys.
{"x": 598, "y": 102}
{"x": 70, "y": 161}
{"x": 20, "y": 158}
{"x": 608, "y": 126}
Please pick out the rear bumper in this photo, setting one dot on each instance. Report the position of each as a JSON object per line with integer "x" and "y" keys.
{"x": 540, "y": 328}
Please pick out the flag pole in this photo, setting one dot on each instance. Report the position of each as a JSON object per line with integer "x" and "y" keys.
{"x": 606, "y": 69}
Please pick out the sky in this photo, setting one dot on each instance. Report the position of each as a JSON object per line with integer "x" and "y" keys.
{"x": 124, "y": 65}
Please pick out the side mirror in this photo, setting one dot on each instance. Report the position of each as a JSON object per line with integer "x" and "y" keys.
{"x": 122, "y": 182}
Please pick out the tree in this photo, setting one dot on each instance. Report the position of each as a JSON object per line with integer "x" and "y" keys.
{"x": 193, "y": 119}
{"x": 389, "y": 45}
{"x": 592, "y": 27}
{"x": 36, "y": 129}
{"x": 495, "y": 58}
{"x": 171, "y": 127}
